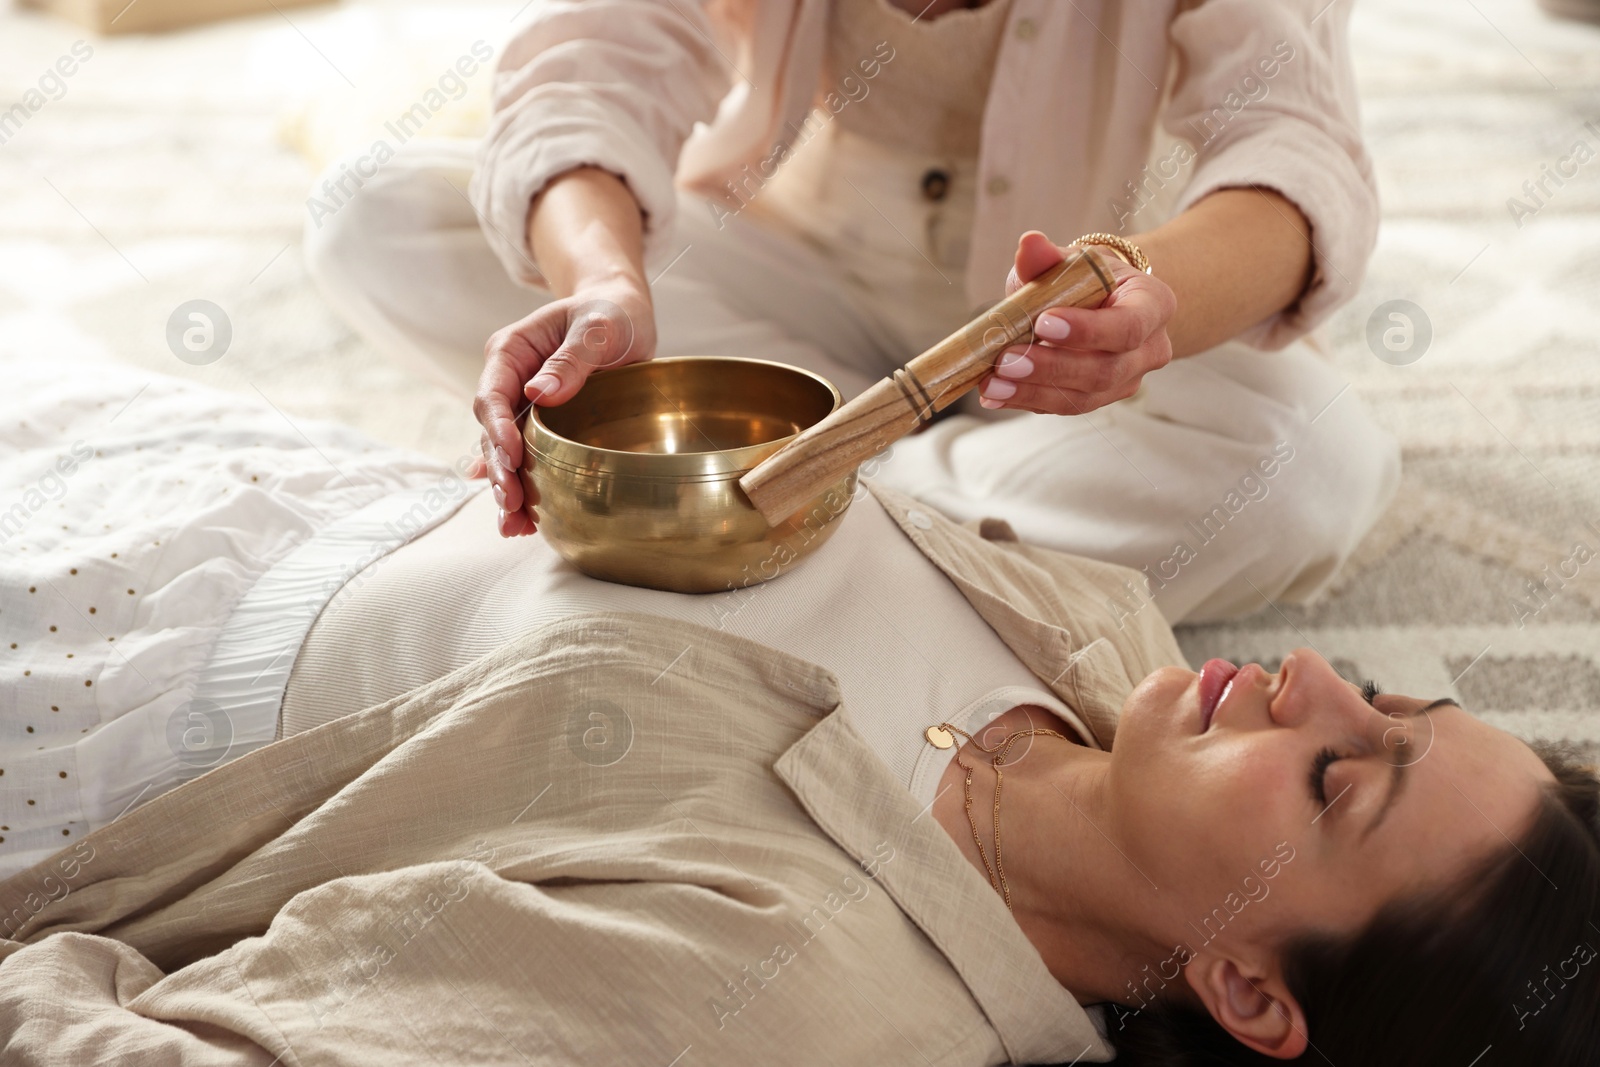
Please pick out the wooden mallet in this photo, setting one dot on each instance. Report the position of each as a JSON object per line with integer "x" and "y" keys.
{"x": 931, "y": 382}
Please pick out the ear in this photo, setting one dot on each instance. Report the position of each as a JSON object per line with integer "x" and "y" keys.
{"x": 1251, "y": 1003}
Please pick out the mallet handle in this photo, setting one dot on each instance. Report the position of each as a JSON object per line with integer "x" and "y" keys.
{"x": 931, "y": 382}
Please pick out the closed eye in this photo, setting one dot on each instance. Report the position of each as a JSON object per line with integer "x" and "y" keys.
{"x": 1319, "y": 774}
{"x": 1328, "y": 757}
{"x": 1318, "y": 780}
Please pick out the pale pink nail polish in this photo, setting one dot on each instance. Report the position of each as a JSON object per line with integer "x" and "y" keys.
{"x": 985, "y": 402}
{"x": 1014, "y": 365}
{"x": 1052, "y": 328}
{"x": 502, "y": 460}
{"x": 544, "y": 383}
{"x": 500, "y": 498}
{"x": 998, "y": 389}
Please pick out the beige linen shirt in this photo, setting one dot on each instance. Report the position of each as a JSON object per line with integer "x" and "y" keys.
{"x": 454, "y": 876}
{"x": 709, "y": 95}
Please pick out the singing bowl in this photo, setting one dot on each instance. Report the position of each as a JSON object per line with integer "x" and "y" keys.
{"x": 636, "y": 478}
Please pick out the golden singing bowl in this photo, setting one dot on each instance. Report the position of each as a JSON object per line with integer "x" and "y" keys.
{"x": 636, "y": 477}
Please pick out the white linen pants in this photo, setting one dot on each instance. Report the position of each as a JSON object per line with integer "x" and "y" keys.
{"x": 1235, "y": 477}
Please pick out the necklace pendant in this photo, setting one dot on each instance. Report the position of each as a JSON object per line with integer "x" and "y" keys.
{"x": 939, "y": 737}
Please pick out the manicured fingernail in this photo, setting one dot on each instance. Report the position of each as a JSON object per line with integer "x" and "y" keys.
{"x": 500, "y": 498}
{"x": 544, "y": 383}
{"x": 999, "y": 390}
{"x": 984, "y": 401}
{"x": 502, "y": 520}
{"x": 1052, "y": 328}
{"x": 1014, "y": 365}
{"x": 502, "y": 460}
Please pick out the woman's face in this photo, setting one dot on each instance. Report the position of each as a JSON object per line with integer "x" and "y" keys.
{"x": 1294, "y": 804}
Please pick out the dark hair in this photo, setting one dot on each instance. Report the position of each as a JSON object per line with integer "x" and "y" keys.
{"x": 1481, "y": 974}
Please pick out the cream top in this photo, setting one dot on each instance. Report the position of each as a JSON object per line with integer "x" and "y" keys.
{"x": 908, "y": 649}
{"x": 930, "y": 97}
{"x": 1086, "y": 95}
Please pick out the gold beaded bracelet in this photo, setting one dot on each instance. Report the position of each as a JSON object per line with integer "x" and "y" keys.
{"x": 1125, "y": 249}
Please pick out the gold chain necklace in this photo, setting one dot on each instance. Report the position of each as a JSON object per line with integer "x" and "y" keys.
{"x": 942, "y": 736}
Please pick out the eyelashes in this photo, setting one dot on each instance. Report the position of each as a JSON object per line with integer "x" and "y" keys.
{"x": 1319, "y": 774}
{"x": 1328, "y": 757}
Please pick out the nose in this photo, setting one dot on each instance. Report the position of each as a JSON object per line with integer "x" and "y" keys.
{"x": 1309, "y": 692}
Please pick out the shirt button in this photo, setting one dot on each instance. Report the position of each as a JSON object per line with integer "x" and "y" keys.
{"x": 919, "y": 519}
{"x": 935, "y": 184}
{"x": 999, "y": 186}
{"x": 1026, "y": 29}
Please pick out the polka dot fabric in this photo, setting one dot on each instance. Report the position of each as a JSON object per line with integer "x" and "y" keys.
{"x": 135, "y": 512}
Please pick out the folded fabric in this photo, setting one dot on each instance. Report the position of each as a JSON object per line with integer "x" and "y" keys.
{"x": 448, "y": 875}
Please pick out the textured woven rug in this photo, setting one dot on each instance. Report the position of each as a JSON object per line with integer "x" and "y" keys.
{"x": 1483, "y": 580}
{"x": 176, "y": 168}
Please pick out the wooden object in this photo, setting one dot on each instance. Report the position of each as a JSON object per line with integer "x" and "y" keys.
{"x": 931, "y": 382}
{"x": 145, "y": 16}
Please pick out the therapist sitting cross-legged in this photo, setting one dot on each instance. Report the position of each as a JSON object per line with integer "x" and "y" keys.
{"x": 841, "y": 185}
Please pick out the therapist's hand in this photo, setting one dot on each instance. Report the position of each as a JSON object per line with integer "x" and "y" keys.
{"x": 544, "y": 359}
{"x": 1082, "y": 358}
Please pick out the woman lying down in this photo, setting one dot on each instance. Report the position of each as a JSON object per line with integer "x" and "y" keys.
{"x": 919, "y": 800}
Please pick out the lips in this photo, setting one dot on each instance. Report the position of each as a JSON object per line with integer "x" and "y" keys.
{"x": 1214, "y": 679}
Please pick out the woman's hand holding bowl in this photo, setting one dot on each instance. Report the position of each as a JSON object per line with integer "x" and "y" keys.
{"x": 544, "y": 359}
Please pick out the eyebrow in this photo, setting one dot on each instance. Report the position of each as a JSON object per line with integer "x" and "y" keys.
{"x": 1397, "y": 776}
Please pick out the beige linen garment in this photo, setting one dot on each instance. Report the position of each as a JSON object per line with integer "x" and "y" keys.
{"x": 712, "y": 95}
{"x": 445, "y": 878}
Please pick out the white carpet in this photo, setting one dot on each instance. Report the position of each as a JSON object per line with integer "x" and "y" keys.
{"x": 164, "y": 174}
